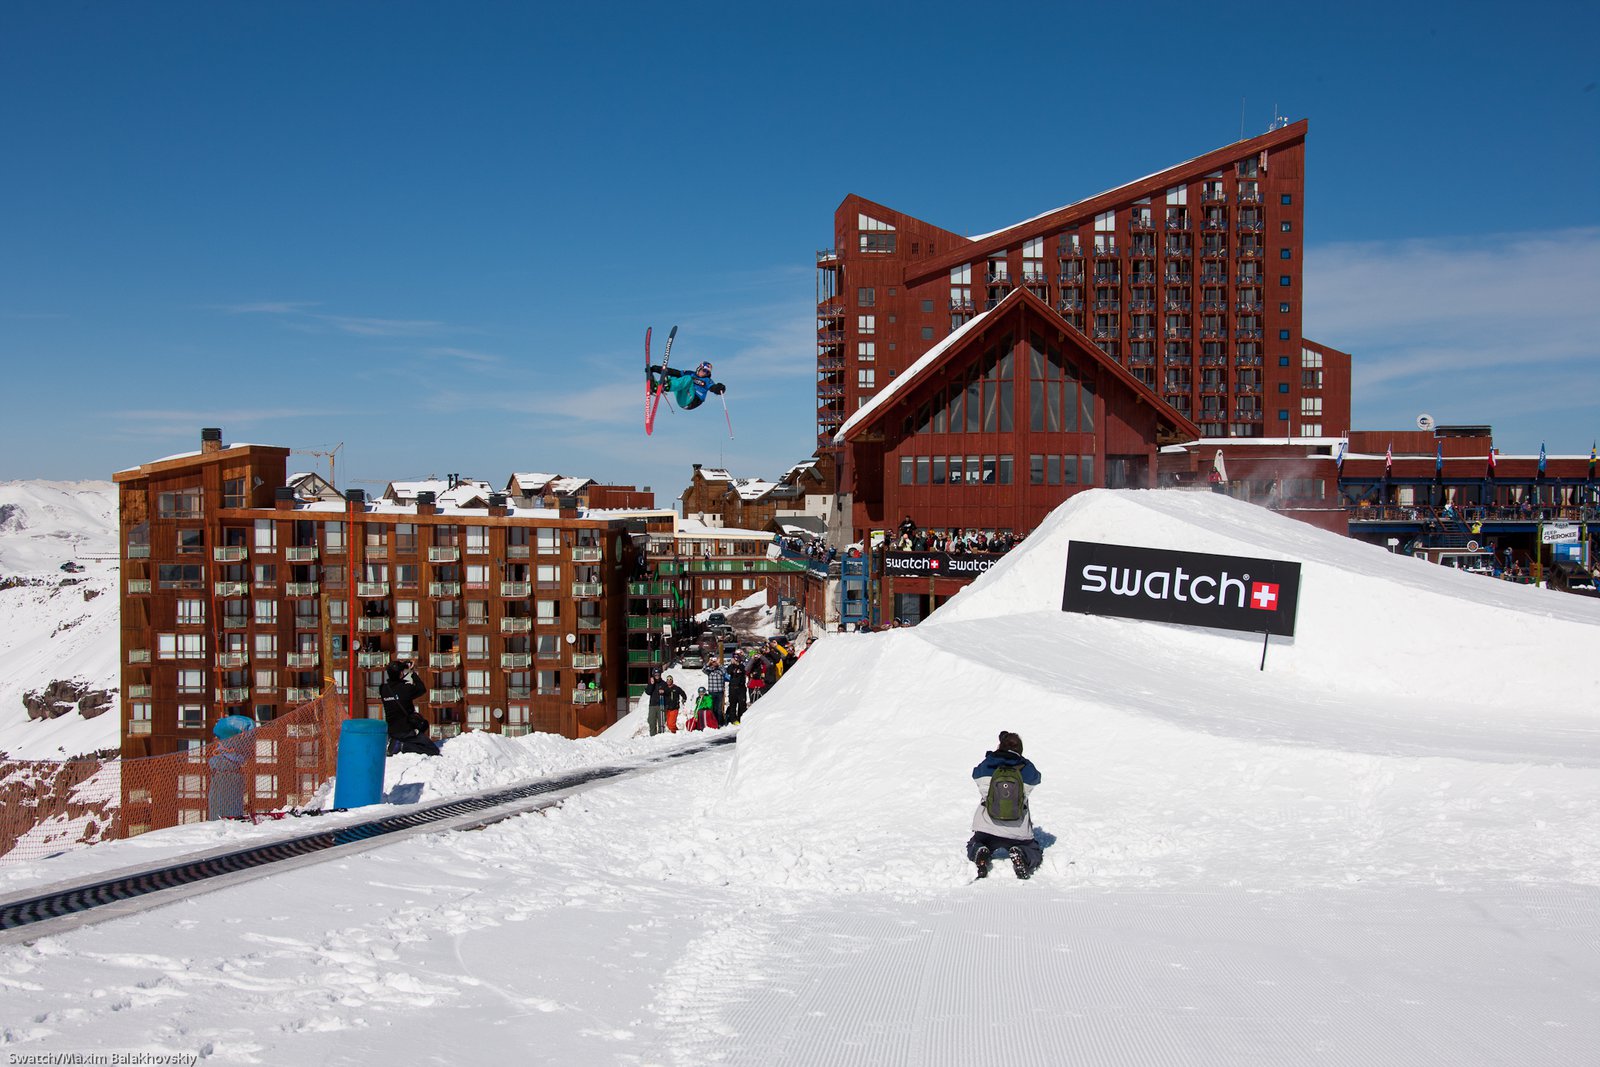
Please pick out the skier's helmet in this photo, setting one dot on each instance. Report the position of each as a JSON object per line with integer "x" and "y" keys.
{"x": 704, "y": 369}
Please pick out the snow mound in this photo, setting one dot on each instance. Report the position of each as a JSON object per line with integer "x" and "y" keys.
{"x": 1402, "y": 705}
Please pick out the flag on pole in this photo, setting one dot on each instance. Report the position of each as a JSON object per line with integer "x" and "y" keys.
{"x": 1344, "y": 444}
{"x": 1388, "y": 459}
{"x": 1492, "y": 453}
{"x": 1438, "y": 460}
{"x": 1541, "y": 457}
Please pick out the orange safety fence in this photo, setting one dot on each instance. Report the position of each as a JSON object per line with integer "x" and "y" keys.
{"x": 53, "y": 806}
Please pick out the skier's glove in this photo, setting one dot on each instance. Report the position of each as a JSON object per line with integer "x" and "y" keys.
{"x": 719, "y": 389}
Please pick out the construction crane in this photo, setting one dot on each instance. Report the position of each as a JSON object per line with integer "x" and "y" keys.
{"x": 329, "y": 453}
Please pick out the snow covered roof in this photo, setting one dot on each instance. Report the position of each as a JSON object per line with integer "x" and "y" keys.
{"x": 715, "y": 474}
{"x": 754, "y": 488}
{"x": 527, "y": 483}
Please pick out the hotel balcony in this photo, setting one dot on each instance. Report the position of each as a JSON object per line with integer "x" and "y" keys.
{"x": 138, "y": 585}
{"x": 1139, "y": 225}
{"x": 1249, "y": 225}
{"x": 1253, "y": 334}
{"x": 138, "y": 551}
{"x": 1213, "y": 278}
{"x": 1248, "y": 388}
{"x": 829, "y": 418}
{"x": 587, "y": 554}
{"x": 444, "y": 661}
{"x": 1107, "y": 304}
{"x": 1180, "y": 253}
{"x": 371, "y": 590}
{"x": 1106, "y": 252}
{"x": 235, "y": 695}
{"x": 1177, "y": 305}
{"x": 1214, "y": 225}
{"x": 1108, "y": 278}
{"x": 586, "y": 661}
{"x": 1179, "y": 223}
{"x": 512, "y": 661}
{"x": 1247, "y": 361}
{"x": 372, "y": 659}
{"x": 830, "y": 310}
{"x": 300, "y": 589}
{"x": 1179, "y": 333}
{"x": 235, "y": 622}
{"x": 827, "y": 256}
{"x": 1249, "y": 306}
{"x": 588, "y": 589}
{"x": 301, "y": 554}
{"x": 1250, "y": 252}
{"x": 1074, "y": 303}
{"x": 444, "y": 589}
{"x": 1249, "y": 198}
{"x": 520, "y": 729}
{"x": 1141, "y": 361}
{"x": 827, "y": 363}
{"x": 516, "y": 552}
{"x": 140, "y": 692}
{"x": 301, "y": 695}
{"x": 1213, "y": 196}
{"x": 516, "y": 589}
{"x": 378, "y": 624}
{"x": 445, "y": 696}
{"x": 1215, "y": 252}
{"x": 591, "y": 622}
{"x": 830, "y": 337}
{"x": 517, "y": 625}
{"x": 231, "y": 589}
{"x": 588, "y": 696}
{"x": 1141, "y": 334}
{"x": 444, "y": 554}
{"x": 233, "y": 661}
{"x": 999, "y": 277}
{"x": 230, "y": 554}
{"x": 1141, "y": 305}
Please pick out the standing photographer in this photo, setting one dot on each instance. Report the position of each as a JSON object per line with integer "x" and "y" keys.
{"x": 408, "y": 730}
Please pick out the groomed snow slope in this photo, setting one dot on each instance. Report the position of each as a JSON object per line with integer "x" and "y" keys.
{"x": 1419, "y": 720}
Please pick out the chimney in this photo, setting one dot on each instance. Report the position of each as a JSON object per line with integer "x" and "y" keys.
{"x": 497, "y": 503}
{"x": 355, "y": 496}
{"x": 425, "y": 502}
{"x": 283, "y": 498}
{"x": 567, "y": 506}
{"x": 210, "y": 440}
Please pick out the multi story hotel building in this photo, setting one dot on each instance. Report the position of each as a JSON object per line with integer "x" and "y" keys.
{"x": 1190, "y": 279}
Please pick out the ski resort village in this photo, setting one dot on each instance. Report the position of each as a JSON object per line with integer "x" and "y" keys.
{"x": 1122, "y": 637}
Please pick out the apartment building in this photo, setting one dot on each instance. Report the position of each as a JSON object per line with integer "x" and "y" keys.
{"x": 241, "y": 596}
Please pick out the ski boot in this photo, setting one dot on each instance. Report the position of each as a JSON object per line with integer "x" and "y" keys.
{"x": 983, "y": 861}
{"x": 1019, "y": 864}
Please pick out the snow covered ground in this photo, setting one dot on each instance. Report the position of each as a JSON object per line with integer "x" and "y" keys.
{"x": 56, "y": 626}
{"x": 1384, "y": 848}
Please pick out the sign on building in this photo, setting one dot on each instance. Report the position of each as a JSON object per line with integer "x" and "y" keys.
{"x": 1188, "y": 588}
{"x": 936, "y": 565}
{"x": 1555, "y": 535}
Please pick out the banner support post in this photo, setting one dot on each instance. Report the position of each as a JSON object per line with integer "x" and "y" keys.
{"x": 1265, "y": 634}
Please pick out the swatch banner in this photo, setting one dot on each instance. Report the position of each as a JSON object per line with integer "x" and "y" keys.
{"x": 1188, "y": 588}
{"x": 936, "y": 564}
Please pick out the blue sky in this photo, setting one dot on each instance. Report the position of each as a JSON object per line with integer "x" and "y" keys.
{"x": 436, "y": 233}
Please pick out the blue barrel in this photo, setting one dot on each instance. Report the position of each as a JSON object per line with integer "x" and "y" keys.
{"x": 363, "y": 744}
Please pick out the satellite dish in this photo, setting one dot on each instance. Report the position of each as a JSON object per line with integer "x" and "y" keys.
{"x": 572, "y": 638}
{"x": 1424, "y": 421}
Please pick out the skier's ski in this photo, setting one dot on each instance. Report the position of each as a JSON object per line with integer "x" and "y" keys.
{"x": 653, "y": 403}
{"x": 647, "y": 379}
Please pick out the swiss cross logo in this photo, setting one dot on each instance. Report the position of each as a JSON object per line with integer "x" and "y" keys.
{"x": 1264, "y": 596}
{"x": 933, "y": 564}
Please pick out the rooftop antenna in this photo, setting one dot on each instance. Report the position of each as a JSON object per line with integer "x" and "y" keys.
{"x": 1241, "y": 118}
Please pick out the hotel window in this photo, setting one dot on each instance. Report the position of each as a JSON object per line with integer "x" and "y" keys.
{"x": 478, "y": 682}
{"x": 191, "y": 612}
{"x": 866, "y": 378}
{"x": 181, "y": 504}
{"x": 927, "y": 307}
{"x": 405, "y": 612}
{"x": 1311, "y": 405}
{"x": 866, "y": 297}
{"x": 866, "y": 351}
{"x": 1311, "y": 429}
{"x": 927, "y": 333}
{"x": 876, "y": 235}
{"x": 1033, "y": 261}
{"x": 191, "y": 541}
{"x": 266, "y": 575}
{"x": 1285, "y": 280}
{"x": 477, "y": 612}
{"x": 266, "y": 612}
{"x": 192, "y": 682}
{"x": 547, "y": 612}
{"x": 1286, "y": 198}
{"x": 922, "y": 468}
{"x": 547, "y": 540}
{"x": 477, "y": 540}
{"x": 547, "y": 646}
{"x": 191, "y": 716}
{"x": 477, "y": 576}
{"x": 866, "y": 324}
{"x": 1283, "y": 335}
{"x": 266, "y": 535}
{"x": 405, "y": 539}
{"x": 477, "y": 646}
{"x": 266, "y": 646}
{"x": 1285, "y": 226}
{"x": 267, "y": 679}
{"x": 333, "y": 536}
{"x": 1285, "y": 253}
{"x": 1283, "y": 307}
{"x": 233, "y": 493}
{"x": 908, "y": 469}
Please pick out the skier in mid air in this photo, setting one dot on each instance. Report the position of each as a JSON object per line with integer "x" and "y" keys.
{"x": 688, "y": 389}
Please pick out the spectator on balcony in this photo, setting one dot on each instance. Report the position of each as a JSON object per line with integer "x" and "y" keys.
{"x": 408, "y": 729}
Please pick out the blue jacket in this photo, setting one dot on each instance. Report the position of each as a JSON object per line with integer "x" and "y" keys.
{"x": 1017, "y": 829}
{"x": 986, "y": 769}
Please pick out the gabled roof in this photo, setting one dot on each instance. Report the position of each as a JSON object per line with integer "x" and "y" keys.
{"x": 1051, "y": 221}
{"x": 529, "y": 483}
{"x": 942, "y": 353}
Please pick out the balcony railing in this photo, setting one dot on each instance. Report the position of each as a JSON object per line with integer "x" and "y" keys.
{"x": 515, "y": 660}
{"x": 587, "y": 554}
{"x": 1248, "y": 388}
{"x": 378, "y": 624}
{"x": 444, "y": 588}
{"x": 1139, "y": 225}
{"x": 444, "y": 554}
{"x": 1105, "y": 252}
{"x": 1179, "y": 333}
{"x": 233, "y": 661}
{"x": 1247, "y": 361}
{"x": 1249, "y": 198}
{"x": 516, "y": 552}
{"x": 231, "y": 589}
{"x": 516, "y": 625}
{"x": 1250, "y": 252}
{"x": 1179, "y": 223}
{"x": 230, "y": 553}
{"x": 445, "y": 696}
{"x": 300, "y": 695}
{"x": 300, "y": 588}
{"x": 301, "y": 554}
{"x": 234, "y": 695}
{"x": 138, "y": 727}
{"x": 586, "y": 661}
{"x": 997, "y": 277}
{"x": 444, "y": 660}
{"x": 588, "y": 696}
{"x": 591, "y": 622}
{"x": 235, "y": 622}
{"x": 516, "y": 589}
{"x": 138, "y": 551}
{"x": 138, "y": 585}
{"x": 519, "y": 692}
{"x": 372, "y": 659}
{"x": 302, "y": 661}
{"x": 372, "y": 589}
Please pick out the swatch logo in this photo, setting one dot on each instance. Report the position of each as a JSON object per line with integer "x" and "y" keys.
{"x": 1187, "y": 588}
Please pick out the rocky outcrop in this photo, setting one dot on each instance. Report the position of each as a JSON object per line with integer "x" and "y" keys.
{"x": 63, "y": 697}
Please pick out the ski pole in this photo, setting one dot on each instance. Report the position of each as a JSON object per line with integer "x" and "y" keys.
{"x": 725, "y": 414}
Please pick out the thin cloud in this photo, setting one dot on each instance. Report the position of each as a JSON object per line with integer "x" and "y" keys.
{"x": 297, "y": 315}
{"x": 464, "y": 355}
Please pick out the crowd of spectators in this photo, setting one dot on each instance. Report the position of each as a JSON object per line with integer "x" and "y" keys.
{"x": 814, "y": 550}
{"x": 912, "y": 538}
